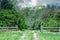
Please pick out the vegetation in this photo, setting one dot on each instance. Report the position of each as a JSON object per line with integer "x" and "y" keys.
{"x": 10, "y": 35}
{"x": 29, "y": 17}
{"x": 11, "y": 17}
{"x": 29, "y": 36}
{"x": 48, "y": 36}
{"x": 48, "y": 17}
{"x": 6, "y": 4}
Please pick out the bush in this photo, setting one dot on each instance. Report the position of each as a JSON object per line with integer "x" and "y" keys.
{"x": 11, "y": 18}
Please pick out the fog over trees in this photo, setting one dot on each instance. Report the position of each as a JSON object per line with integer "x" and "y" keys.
{"x": 23, "y": 14}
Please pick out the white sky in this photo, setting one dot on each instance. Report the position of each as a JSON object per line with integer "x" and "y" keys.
{"x": 33, "y": 3}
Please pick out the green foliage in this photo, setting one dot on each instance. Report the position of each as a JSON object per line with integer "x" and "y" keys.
{"x": 51, "y": 22}
{"x": 50, "y": 18}
{"x": 58, "y": 18}
{"x": 11, "y": 18}
{"x": 6, "y": 4}
{"x": 11, "y": 35}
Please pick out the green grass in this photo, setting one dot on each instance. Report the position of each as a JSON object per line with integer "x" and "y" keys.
{"x": 11, "y": 35}
{"x": 48, "y": 36}
{"x": 14, "y": 35}
{"x": 29, "y": 35}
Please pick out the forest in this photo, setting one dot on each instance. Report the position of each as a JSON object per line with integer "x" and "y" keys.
{"x": 29, "y": 17}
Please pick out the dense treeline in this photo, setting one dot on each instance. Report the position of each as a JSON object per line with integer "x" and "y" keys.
{"x": 28, "y": 17}
{"x": 51, "y": 17}
{"x": 47, "y": 17}
{"x": 10, "y": 17}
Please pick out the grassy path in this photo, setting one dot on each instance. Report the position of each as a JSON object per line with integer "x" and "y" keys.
{"x": 29, "y": 35}
{"x": 23, "y": 37}
{"x": 35, "y": 36}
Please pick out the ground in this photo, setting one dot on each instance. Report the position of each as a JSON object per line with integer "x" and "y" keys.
{"x": 28, "y": 35}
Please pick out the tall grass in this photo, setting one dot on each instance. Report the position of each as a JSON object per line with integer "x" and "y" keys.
{"x": 48, "y": 36}
{"x": 11, "y": 35}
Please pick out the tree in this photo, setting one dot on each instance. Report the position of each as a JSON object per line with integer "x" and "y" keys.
{"x": 6, "y": 4}
{"x": 9, "y": 16}
{"x": 49, "y": 17}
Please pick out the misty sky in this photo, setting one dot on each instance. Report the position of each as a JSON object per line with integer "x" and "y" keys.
{"x": 50, "y": 1}
{"x": 31, "y": 3}
{"x": 45, "y": 2}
